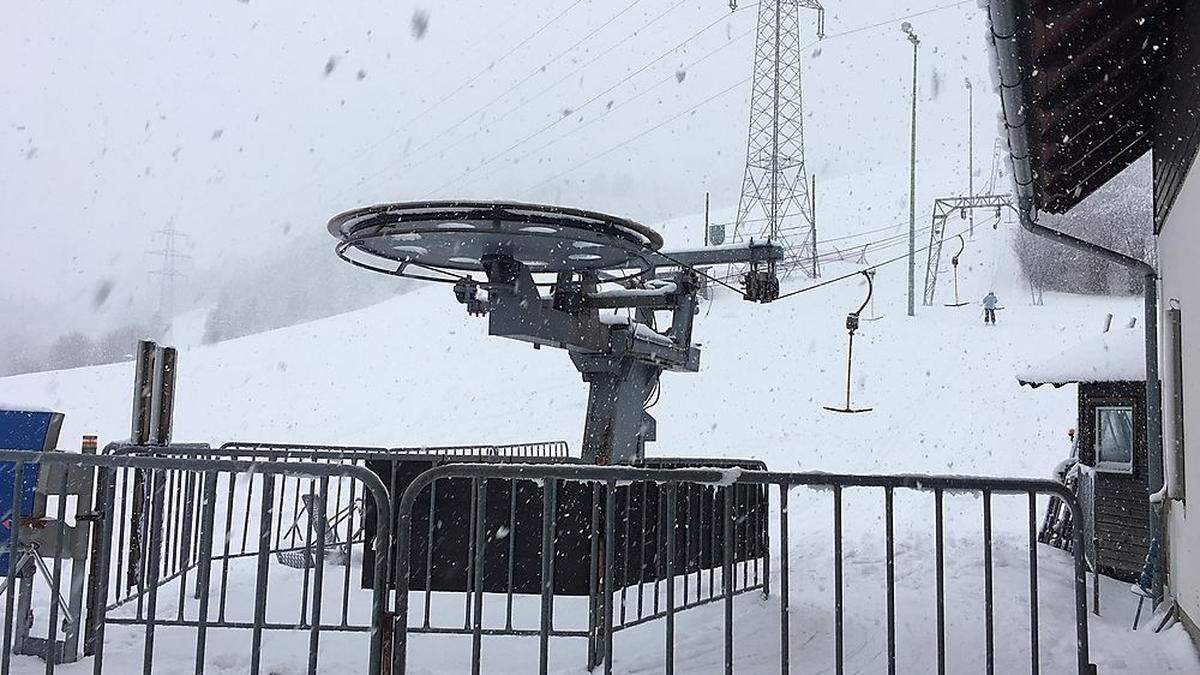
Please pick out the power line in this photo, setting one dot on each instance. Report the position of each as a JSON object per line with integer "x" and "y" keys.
{"x": 538, "y": 95}
{"x": 667, "y": 79}
{"x": 533, "y": 73}
{"x": 557, "y": 120}
{"x": 631, "y": 139}
{"x": 471, "y": 80}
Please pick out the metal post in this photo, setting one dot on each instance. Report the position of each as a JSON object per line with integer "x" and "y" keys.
{"x": 813, "y": 203}
{"x": 970, "y": 154}
{"x": 912, "y": 181}
{"x": 549, "y": 510}
{"x": 1154, "y": 444}
{"x": 706, "y": 225}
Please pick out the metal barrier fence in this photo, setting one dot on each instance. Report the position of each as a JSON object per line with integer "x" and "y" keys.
{"x": 539, "y": 449}
{"x": 180, "y": 509}
{"x": 549, "y": 480}
{"x": 476, "y": 537}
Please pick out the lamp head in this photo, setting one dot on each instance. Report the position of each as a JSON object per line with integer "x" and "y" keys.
{"x": 908, "y": 30}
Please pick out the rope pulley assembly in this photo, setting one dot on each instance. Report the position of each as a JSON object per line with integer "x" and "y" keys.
{"x": 962, "y": 246}
{"x": 760, "y": 285}
{"x": 851, "y": 327}
{"x": 466, "y": 290}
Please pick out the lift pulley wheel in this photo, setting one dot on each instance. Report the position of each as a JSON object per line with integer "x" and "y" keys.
{"x": 455, "y": 236}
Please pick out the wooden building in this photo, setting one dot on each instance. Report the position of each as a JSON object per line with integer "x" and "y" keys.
{"x": 1111, "y": 444}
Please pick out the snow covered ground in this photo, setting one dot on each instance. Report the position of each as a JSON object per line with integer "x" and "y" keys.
{"x": 418, "y": 370}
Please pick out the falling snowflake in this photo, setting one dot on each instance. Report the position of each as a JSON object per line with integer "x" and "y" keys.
{"x": 420, "y": 23}
{"x": 330, "y": 65}
{"x": 680, "y": 75}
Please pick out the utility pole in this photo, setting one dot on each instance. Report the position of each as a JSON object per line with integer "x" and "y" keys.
{"x": 971, "y": 151}
{"x": 169, "y": 270}
{"x": 706, "y": 219}
{"x": 816, "y": 270}
{"x": 912, "y": 180}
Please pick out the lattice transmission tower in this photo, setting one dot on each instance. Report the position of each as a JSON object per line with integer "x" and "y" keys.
{"x": 169, "y": 271}
{"x": 775, "y": 201}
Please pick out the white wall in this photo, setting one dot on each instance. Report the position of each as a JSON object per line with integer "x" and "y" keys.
{"x": 1179, "y": 248}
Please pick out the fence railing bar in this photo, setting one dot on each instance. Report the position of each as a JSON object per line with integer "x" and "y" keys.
{"x": 480, "y": 554}
{"x": 625, "y": 550}
{"x": 988, "y": 607}
{"x": 185, "y": 542}
{"x": 727, "y": 577}
{"x": 642, "y": 550}
{"x": 154, "y": 543}
{"x": 687, "y": 541}
{"x": 838, "y": 609}
{"x": 593, "y": 580}
{"x": 763, "y": 530}
{"x": 350, "y": 524}
{"x": 939, "y": 552}
{"x": 314, "y": 635}
{"x": 890, "y": 553}
{"x": 52, "y": 651}
{"x": 231, "y": 488}
{"x": 784, "y": 598}
{"x": 472, "y": 523}
{"x": 430, "y": 533}
{"x": 1034, "y": 661}
{"x": 123, "y": 491}
{"x": 610, "y": 567}
{"x": 266, "y": 506}
{"x": 549, "y": 511}
{"x": 14, "y": 540}
{"x": 512, "y": 552}
{"x": 670, "y": 623}
{"x": 106, "y": 478}
{"x": 246, "y": 520}
{"x": 310, "y": 523}
{"x": 208, "y": 508}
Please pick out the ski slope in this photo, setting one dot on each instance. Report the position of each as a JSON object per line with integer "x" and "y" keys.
{"x": 417, "y": 370}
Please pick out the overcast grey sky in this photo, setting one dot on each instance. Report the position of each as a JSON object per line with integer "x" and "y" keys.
{"x": 246, "y": 124}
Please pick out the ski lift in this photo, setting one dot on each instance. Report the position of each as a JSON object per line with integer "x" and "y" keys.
{"x": 871, "y": 279}
{"x": 962, "y": 246}
{"x": 851, "y": 326}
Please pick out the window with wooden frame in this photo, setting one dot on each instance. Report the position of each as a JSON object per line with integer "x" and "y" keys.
{"x": 1114, "y": 438}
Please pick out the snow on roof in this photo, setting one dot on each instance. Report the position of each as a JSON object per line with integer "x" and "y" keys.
{"x": 1116, "y": 356}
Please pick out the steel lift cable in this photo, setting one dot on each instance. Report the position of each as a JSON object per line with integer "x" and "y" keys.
{"x": 851, "y": 327}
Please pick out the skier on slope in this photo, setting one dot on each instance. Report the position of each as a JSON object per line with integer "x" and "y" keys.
{"x": 989, "y": 308}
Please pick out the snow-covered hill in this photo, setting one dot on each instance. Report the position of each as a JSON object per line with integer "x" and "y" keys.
{"x": 417, "y": 370}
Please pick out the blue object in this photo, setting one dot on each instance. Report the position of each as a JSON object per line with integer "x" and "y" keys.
{"x": 990, "y": 300}
{"x": 32, "y": 431}
{"x": 1146, "y": 580}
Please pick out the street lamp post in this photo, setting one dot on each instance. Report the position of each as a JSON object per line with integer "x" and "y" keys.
{"x": 971, "y": 151}
{"x": 912, "y": 179}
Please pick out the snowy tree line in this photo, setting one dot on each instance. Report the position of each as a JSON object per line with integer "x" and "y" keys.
{"x": 1118, "y": 216}
{"x": 298, "y": 283}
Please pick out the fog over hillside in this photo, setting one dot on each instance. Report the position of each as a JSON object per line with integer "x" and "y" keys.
{"x": 245, "y": 125}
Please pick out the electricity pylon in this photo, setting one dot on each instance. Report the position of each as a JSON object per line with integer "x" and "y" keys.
{"x": 775, "y": 191}
{"x": 169, "y": 270}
